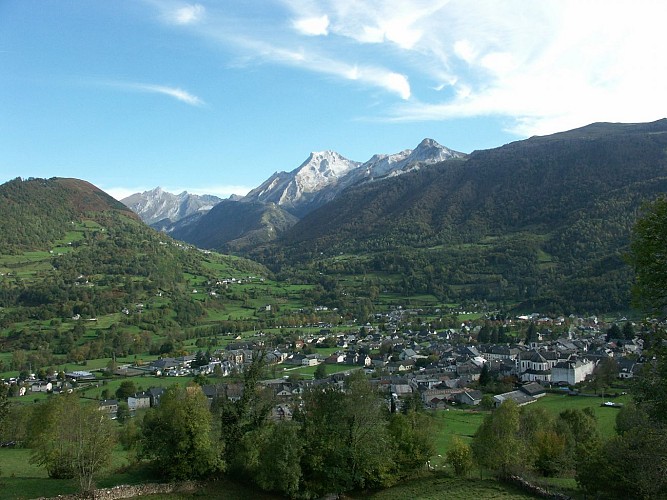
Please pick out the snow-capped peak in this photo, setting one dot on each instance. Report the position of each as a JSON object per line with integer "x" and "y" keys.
{"x": 325, "y": 173}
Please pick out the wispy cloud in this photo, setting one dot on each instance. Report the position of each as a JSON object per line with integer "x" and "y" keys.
{"x": 187, "y": 14}
{"x": 174, "y": 92}
{"x": 270, "y": 42}
{"x": 541, "y": 66}
{"x": 558, "y": 65}
{"x": 178, "y": 12}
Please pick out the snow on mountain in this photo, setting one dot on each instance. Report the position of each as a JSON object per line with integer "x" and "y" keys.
{"x": 427, "y": 152}
{"x": 320, "y": 170}
{"x": 157, "y": 205}
{"x": 323, "y": 175}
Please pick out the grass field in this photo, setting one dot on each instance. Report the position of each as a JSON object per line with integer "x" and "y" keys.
{"x": 606, "y": 417}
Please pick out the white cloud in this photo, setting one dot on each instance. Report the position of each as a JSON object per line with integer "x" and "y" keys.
{"x": 175, "y": 92}
{"x": 185, "y": 14}
{"x": 540, "y": 66}
{"x": 313, "y": 26}
{"x": 543, "y": 66}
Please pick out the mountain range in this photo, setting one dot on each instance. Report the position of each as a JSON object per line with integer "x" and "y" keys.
{"x": 160, "y": 208}
{"x": 541, "y": 223}
{"x": 279, "y": 202}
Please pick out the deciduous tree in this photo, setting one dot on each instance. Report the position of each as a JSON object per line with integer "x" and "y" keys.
{"x": 71, "y": 439}
{"x": 460, "y": 457}
{"x": 177, "y": 434}
{"x": 496, "y": 444}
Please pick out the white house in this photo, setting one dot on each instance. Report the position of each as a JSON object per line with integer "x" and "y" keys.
{"x": 572, "y": 371}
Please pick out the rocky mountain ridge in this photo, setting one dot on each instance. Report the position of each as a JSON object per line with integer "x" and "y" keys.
{"x": 159, "y": 206}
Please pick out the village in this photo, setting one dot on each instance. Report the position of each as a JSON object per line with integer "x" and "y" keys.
{"x": 454, "y": 367}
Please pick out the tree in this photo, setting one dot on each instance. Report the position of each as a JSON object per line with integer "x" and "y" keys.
{"x": 247, "y": 414}
{"x": 650, "y": 390}
{"x": 281, "y": 449}
{"x": 487, "y": 402}
{"x": 411, "y": 435}
{"x": 605, "y": 373}
{"x": 628, "y": 331}
{"x": 347, "y": 439}
{"x": 123, "y": 412}
{"x": 177, "y": 435}
{"x": 649, "y": 259}
{"x": 460, "y": 457}
{"x": 613, "y": 332}
{"x": 4, "y": 403}
{"x": 484, "y": 376}
{"x": 126, "y": 389}
{"x": 496, "y": 444}
{"x": 79, "y": 449}
{"x": 484, "y": 335}
{"x": 531, "y": 333}
{"x": 320, "y": 372}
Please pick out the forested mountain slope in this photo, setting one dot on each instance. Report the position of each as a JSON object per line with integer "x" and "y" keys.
{"x": 81, "y": 277}
{"x": 36, "y": 212}
{"x": 544, "y": 221}
{"x": 235, "y": 225}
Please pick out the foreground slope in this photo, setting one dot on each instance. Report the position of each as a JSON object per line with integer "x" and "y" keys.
{"x": 544, "y": 221}
{"x": 81, "y": 277}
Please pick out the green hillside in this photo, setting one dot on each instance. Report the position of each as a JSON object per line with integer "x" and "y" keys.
{"x": 542, "y": 222}
{"x": 82, "y": 278}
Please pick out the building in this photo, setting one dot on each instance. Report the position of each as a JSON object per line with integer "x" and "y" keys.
{"x": 572, "y": 371}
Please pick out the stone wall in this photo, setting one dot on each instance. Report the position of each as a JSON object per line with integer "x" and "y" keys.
{"x": 132, "y": 491}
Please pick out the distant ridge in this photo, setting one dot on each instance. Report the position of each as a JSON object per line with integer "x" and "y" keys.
{"x": 159, "y": 206}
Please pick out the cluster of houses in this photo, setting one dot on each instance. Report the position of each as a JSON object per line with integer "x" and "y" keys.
{"x": 443, "y": 367}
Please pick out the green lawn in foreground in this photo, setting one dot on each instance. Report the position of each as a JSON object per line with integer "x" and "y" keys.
{"x": 22, "y": 480}
{"x": 606, "y": 417}
{"x": 450, "y": 423}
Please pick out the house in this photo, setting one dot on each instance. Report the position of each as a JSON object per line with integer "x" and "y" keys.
{"x": 533, "y": 389}
{"x": 335, "y": 358}
{"x": 311, "y": 360}
{"x": 80, "y": 375}
{"x": 519, "y": 397}
{"x": 41, "y": 386}
{"x": 281, "y": 412}
{"x": 110, "y": 407}
{"x": 139, "y": 400}
{"x": 628, "y": 368}
{"x": 536, "y": 366}
{"x": 155, "y": 395}
{"x": 295, "y": 359}
{"x": 467, "y": 397}
{"x": 212, "y": 392}
{"x": 163, "y": 365}
{"x": 571, "y": 371}
{"x": 501, "y": 352}
{"x": 408, "y": 354}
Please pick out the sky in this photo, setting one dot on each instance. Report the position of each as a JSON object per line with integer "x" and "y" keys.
{"x": 215, "y": 96}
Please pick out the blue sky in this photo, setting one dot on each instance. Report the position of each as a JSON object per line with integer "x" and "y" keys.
{"x": 213, "y": 97}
